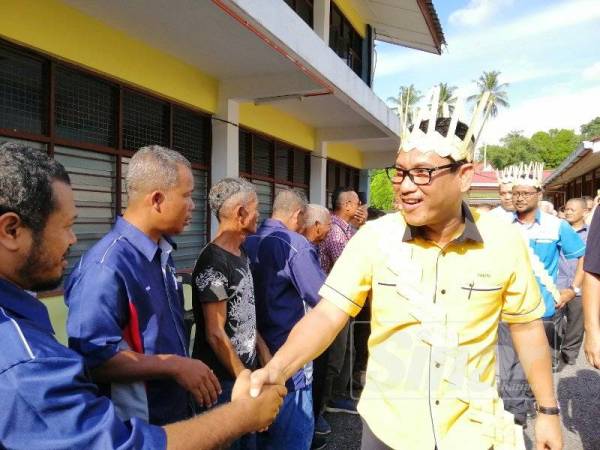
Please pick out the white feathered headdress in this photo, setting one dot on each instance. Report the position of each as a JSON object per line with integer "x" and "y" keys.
{"x": 431, "y": 140}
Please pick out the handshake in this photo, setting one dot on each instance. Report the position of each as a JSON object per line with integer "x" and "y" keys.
{"x": 260, "y": 394}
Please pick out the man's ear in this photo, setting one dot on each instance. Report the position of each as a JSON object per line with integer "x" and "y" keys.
{"x": 12, "y": 230}
{"x": 465, "y": 174}
{"x": 157, "y": 199}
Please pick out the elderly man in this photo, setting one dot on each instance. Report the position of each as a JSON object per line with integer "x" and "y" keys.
{"x": 317, "y": 223}
{"x": 575, "y": 213}
{"x": 287, "y": 279}
{"x": 126, "y": 307}
{"x": 223, "y": 291}
{"x": 347, "y": 214}
{"x": 47, "y": 398}
{"x": 440, "y": 278}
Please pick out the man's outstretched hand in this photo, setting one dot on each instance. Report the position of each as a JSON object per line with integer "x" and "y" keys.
{"x": 268, "y": 375}
{"x": 263, "y": 407}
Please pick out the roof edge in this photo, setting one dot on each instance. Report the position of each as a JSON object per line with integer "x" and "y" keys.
{"x": 433, "y": 23}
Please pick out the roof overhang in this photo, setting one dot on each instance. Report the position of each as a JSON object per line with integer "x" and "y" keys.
{"x": 410, "y": 23}
{"x": 583, "y": 159}
{"x": 260, "y": 51}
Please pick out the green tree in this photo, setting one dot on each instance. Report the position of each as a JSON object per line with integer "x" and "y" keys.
{"x": 591, "y": 129}
{"x": 446, "y": 98}
{"x": 382, "y": 194}
{"x": 489, "y": 81}
{"x": 406, "y": 94}
{"x": 555, "y": 145}
{"x": 515, "y": 149}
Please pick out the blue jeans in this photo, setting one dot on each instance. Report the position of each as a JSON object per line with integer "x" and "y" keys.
{"x": 294, "y": 425}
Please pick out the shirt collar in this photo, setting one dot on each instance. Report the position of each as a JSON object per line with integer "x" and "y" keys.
{"x": 340, "y": 222}
{"x": 141, "y": 241}
{"x": 274, "y": 223}
{"x": 24, "y": 305}
{"x": 538, "y": 217}
{"x": 470, "y": 233}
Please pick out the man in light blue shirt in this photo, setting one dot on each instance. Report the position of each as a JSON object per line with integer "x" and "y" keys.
{"x": 547, "y": 237}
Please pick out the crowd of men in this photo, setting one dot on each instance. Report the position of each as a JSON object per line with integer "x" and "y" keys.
{"x": 442, "y": 287}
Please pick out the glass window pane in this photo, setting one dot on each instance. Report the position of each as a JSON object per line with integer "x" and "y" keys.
{"x": 86, "y": 108}
{"x": 191, "y": 135}
{"x": 23, "y": 100}
{"x": 301, "y": 167}
{"x": 245, "y": 151}
{"x": 282, "y": 162}
{"x": 261, "y": 158}
{"x": 145, "y": 121}
{"x": 265, "y": 198}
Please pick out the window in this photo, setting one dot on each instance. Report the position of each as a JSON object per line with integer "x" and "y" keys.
{"x": 272, "y": 165}
{"x": 93, "y": 129}
{"x": 340, "y": 175}
{"x": 23, "y": 93}
{"x": 345, "y": 40}
{"x": 304, "y": 8}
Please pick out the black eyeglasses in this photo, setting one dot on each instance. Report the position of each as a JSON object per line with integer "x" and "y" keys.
{"x": 421, "y": 176}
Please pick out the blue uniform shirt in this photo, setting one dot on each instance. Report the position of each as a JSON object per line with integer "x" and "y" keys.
{"x": 548, "y": 236}
{"x": 47, "y": 401}
{"x": 287, "y": 278}
{"x": 123, "y": 295}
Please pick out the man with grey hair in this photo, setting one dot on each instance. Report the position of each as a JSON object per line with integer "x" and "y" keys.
{"x": 223, "y": 292}
{"x": 125, "y": 304}
{"x": 287, "y": 279}
{"x": 317, "y": 223}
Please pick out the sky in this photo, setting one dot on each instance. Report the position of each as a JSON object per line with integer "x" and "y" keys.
{"x": 547, "y": 50}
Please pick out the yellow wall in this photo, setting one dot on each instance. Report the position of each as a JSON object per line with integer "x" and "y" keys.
{"x": 352, "y": 15}
{"x": 53, "y": 27}
{"x": 345, "y": 153}
{"x": 274, "y": 122}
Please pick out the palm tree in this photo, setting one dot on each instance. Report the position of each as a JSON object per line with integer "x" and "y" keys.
{"x": 488, "y": 81}
{"x": 406, "y": 94}
{"x": 447, "y": 98}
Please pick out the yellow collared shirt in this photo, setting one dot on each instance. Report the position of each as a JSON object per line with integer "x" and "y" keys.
{"x": 435, "y": 314}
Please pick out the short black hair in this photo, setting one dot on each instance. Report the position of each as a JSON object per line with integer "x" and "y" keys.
{"x": 26, "y": 177}
{"x": 442, "y": 125}
{"x": 336, "y": 196}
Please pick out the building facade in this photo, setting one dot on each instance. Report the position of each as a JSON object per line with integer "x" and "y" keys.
{"x": 578, "y": 175}
{"x": 277, "y": 91}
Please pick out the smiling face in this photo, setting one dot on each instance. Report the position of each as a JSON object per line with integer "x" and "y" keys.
{"x": 575, "y": 210}
{"x": 433, "y": 204}
{"x": 526, "y": 198}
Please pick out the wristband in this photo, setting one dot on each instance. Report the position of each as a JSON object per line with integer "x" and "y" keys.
{"x": 552, "y": 411}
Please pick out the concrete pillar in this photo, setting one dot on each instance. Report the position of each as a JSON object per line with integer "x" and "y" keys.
{"x": 225, "y": 146}
{"x": 318, "y": 174}
{"x": 321, "y": 14}
{"x": 364, "y": 183}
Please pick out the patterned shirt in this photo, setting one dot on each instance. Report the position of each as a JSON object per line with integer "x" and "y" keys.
{"x": 220, "y": 276}
{"x": 335, "y": 242}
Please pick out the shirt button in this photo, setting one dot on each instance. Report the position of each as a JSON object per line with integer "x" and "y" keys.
{"x": 437, "y": 365}
{"x": 437, "y": 402}
{"x": 443, "y": 291}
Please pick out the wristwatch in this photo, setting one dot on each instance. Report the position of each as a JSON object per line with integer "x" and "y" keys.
{"x": 553, "y": 411}
{"x": 576, "y": 290}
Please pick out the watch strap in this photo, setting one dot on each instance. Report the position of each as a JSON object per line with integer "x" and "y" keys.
{"x": 551, "y": 411}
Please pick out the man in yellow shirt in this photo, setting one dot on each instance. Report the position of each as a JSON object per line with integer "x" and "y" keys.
{"x": 440, "y": 277}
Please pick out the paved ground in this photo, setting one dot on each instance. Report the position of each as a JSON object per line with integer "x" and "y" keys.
{"x": 579, "y": 396}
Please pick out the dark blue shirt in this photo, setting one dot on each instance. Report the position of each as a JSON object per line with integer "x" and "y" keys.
{"x": 287, "y": 278}
{"x": 123, "y": 295}
{"x": 46, "y": 399}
